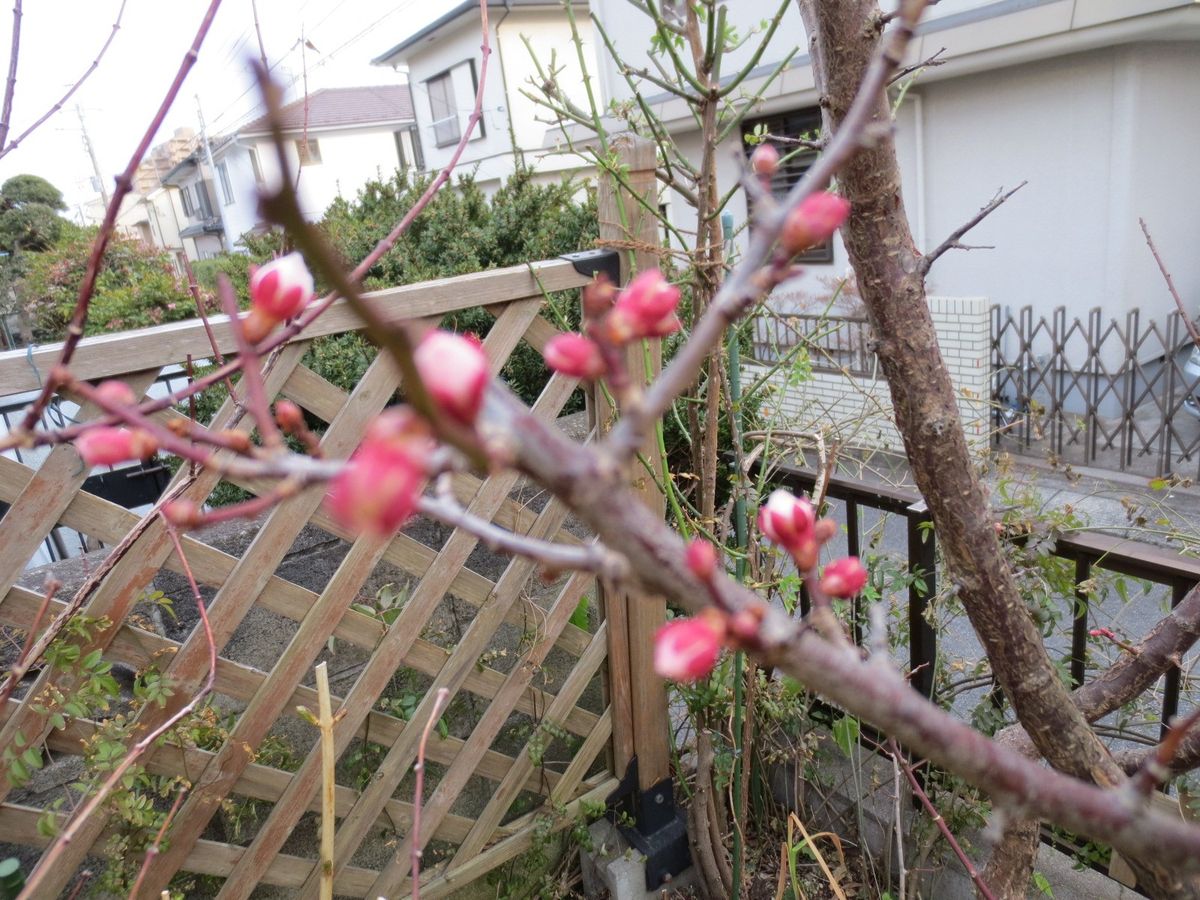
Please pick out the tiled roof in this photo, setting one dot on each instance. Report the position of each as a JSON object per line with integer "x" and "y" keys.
{"x": 343, "y": 108}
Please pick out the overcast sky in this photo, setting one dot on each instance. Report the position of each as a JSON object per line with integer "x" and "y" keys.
{"x": 60, "y": 38}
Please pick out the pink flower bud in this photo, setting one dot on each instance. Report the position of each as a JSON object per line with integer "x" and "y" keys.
{"x": 455, "y": 372}
{"x": 598, "y": 297}
{"x": 687, "y": 649}
{"x": 377, "y": 491}
{"x": 787, "y": 520}
{"x": 401, "y": 430}
{"x": 118, "y": 393}
{"x": 574, "y": 355}
{"x": 646, "y": 308}
{"x": 702, "y": 558}
{"x": 764, "y": 160}
{"x": 289, "y": 416}
{"x": 182, "y": 513}
{"x": 282, "y": 287}
{"x": 813, "y": 222}
{"x": 844, "y": 577}
{"x": 109, "y": 446}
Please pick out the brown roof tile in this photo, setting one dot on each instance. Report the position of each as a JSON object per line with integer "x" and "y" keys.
{"x": 343, "y": 108}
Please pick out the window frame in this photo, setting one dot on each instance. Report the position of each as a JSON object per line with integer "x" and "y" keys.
{"x": 226, "y": 185}
{"x": 308, "y": 152}
{"x": 444, "y": 82}
{"x": 256, "y": 167}
{"x": 792, "y": 123}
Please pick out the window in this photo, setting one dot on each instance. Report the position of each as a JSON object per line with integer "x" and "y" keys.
{"x": 226, "y": 189}
{"x": 257, "y": 167}
{"x": 185, "y": 197}
{"x": 309, "y": 152}
{"x": 443, "y": 110}
{"x": 794, "y": 124}
{"x": 403, "y": 161}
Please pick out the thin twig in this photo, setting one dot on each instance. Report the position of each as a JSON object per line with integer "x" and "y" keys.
{"x": 754, "y": 277}
{"x": 591, "y": 557}
{"x": 1187, "y": 319}
{"x": 10, "y": 87}
{"x": 50, "y": 857}
{"x": 124, "y": 184}
{"x": 1156, "y": 768}
{"x": 25, "y": 661}
{"x": 953, "y": 241}
{"x": 62, "y": 101}
{"x": 153, "y": 850}
{"x": 434, "y": 714}
{"x": 898, "y": 757}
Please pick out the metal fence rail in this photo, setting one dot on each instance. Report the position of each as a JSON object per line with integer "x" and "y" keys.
{"x": 1114, "y": 394}
{"x": 839, "y": 344}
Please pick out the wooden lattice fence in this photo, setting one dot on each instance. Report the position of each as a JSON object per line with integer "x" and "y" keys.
{"x": 519, "y": 708}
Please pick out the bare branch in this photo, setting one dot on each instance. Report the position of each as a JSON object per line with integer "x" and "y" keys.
{"x": 10, "y": 86}
{"x": 953, "y": 241}
{"x": 116, "y": 26}
{"x": 78, "y": 321}
{"x": 1187, "y": 319}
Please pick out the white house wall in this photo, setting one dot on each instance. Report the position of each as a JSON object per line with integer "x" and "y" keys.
{"x": 349, "y": 159}
{"x": 242, "y": 214}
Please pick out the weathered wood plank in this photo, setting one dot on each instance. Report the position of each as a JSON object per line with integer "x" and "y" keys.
{"x": 107, "y": 355}
{"x": 454, "y": 780}
{"x": 119, "y": 590}
{"x": 34, "y": 513}
{"x": 258, "y": 782}
{"x": 396, "y": 643}
{"x": 488, "y": 820}
{"x": 444, "y": 885}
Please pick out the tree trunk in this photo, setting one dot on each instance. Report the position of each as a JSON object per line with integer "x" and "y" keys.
{"x": 887, "y": 265}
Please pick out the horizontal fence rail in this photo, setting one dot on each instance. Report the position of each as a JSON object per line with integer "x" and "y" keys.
{"x": 525, "y": 668}
{"x": 1113, "y": 393}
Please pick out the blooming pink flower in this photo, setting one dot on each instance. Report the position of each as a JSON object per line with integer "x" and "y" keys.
{"x": 455, "y": 372}
{"x": 377, "y": 491}
{"x": 702, "y": 558}
{"x": 764, "y": 160}
{"x": 282, "y": 287}
{"x": 107, "y": 446}
{"x": 813, "y": 222}
{"x": 844, "y": 577}
{"x": 574, "y": 355}
{"x": 687, "y": 649}
{"x": 646, "y": 308}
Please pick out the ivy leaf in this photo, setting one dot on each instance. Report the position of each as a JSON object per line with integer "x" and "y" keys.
{"x": 845, "y": 733}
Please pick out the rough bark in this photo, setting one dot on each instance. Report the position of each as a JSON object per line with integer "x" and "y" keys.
{"x": 887, "y": 265}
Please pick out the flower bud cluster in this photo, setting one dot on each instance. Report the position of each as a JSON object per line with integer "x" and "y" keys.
{"x": 612, "y": 319}
{"x": 791, "y": 523}
{"x": 813, "y": 221}
{"x": 108, "y": 446}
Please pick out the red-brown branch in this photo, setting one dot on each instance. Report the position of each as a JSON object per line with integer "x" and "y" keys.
{"x": 124, "y": 184}
{"x": 439, "y": 702}
{"x": 138, "y": 750}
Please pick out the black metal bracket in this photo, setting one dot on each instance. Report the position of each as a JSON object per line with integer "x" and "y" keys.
{"x": 658, "y": 830}
{"x": 595, "y": 262}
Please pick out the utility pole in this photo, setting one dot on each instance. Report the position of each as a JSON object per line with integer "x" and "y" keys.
{"x": 87, "y": 143}
{"x": 216, "y": 200}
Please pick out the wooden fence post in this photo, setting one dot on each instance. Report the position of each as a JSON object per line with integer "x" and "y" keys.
{"x": 641, "y": 723}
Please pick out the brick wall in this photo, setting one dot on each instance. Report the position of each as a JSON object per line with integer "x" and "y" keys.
{"x": 855, "y": 410}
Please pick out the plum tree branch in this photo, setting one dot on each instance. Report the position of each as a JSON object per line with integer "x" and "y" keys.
{"x": 953, "y": 242}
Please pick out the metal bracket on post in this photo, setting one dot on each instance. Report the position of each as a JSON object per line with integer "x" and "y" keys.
{"x": 659, "y": 829}
{"x": 594, "y": 262}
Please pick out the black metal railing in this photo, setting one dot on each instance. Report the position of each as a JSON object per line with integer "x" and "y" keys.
{"x": 840, "y": 344}
{"x": 1089, "y": 551}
